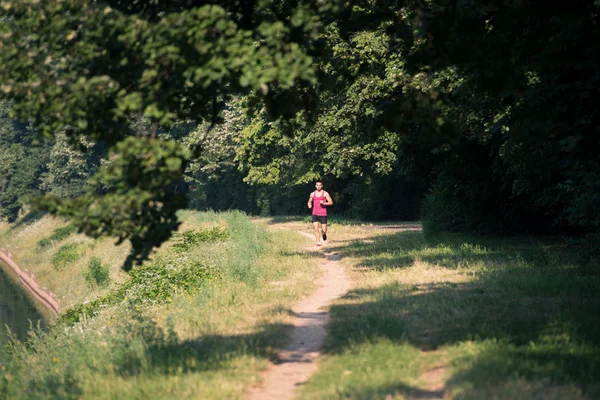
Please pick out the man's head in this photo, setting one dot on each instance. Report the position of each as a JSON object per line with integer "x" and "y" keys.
{"x": 319, "y": 185}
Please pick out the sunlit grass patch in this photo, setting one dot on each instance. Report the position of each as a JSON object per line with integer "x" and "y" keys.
{"x": 288, "y": 218}
{"x": 350, "y": 221}
{"x": 174, "y": 332}
{"x": 550, "y": 367}
{"x": 153, "y": 284}
{"x": 69, "y": 283}
{"x": 191, "y": 238}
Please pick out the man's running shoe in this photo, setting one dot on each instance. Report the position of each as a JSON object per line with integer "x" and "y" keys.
{"x": 324, "y": 235}
{"x": 318, "y": 243}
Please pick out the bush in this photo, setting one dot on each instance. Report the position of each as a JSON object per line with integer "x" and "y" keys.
{"x": 66, "y": 255}
{"x": 472, "y": 204}
{"x": 58, "y": 235}
{"x": 154, "y": 283}
{"x": 191, "y": 238}
{"x": 97, "y": 273}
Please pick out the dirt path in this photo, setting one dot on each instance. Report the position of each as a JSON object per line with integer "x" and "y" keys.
{"x": 297, "y": 360}
{"x": 29, "y": 283}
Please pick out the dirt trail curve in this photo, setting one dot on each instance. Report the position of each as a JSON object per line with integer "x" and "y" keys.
{"x": 29, "y": 283}
{"x": 297, "y": 360}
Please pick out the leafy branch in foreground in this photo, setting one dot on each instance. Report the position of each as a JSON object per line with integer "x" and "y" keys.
{"x": 135, "y": 196}
{"x": 85, "y": 69}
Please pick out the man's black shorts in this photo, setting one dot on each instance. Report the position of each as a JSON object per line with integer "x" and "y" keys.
{"x": 318, "y": 218}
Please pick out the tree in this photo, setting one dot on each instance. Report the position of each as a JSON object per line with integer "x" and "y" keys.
{"x": 91, "y": 68}
{"x": 21, "y": 163}
{"x": 491, "y": 104}
{"x": 69, "y": 168}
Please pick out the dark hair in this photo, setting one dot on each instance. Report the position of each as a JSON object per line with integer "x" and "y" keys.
{"x": 319, "y": 181}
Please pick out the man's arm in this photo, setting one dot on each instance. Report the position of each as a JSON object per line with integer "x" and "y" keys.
{"x": 328, "y": 199}
{"x": 310, "y": 200}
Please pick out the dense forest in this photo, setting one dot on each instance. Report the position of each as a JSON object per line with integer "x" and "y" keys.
{"x": 472, "y": 115}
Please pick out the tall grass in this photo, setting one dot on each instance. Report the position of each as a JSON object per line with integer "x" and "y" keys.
{"x": 193, "y": 324}
{"x": 190, "y": 238}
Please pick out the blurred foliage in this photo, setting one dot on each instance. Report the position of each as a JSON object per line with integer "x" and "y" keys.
{"x": 134, "y": 196}
{"x": 69, "y": 167}
{"x": 95, "y": 68}
{"x": 92, "y": 68}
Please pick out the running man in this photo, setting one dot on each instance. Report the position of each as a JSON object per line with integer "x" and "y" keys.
{"x": 321, "y": 200}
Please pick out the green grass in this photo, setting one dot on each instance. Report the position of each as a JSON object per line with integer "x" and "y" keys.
{"x": 68, "y": 284}
{"x": 98, "y": 274}
{"x": 190, "y": 238}
{"x": 58, "y": 235}
{"x": 461, "y": 317}
{"x": 68, "y": 254}
{"x": 350, "y": 221}
{"x": 199, "y": 324}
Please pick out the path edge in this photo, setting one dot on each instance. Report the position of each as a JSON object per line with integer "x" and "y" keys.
{"x": 27, "y": 281}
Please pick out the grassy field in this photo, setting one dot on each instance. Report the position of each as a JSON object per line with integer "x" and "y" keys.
{"x": 202, "y": 323}
{"x": 459, "y": 317}
{"x": 453, "y": 316}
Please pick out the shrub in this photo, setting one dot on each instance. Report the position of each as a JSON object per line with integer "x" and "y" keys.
{"x": 97, "y": 273}
{"x": 58, "y": 235}
{"x": 66, "y": 255}
{"x": 191, "y": 238}
{"x": 153, "y": 283}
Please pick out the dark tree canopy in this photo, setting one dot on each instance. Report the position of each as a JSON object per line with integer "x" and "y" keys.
{"x": 487, "y": 106}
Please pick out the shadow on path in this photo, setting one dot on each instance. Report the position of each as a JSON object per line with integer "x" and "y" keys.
{"x": 530, "y": 311}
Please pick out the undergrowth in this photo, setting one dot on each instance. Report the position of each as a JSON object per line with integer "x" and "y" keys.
{"x": 58, "y": 235}
{"x": 67, "y": 254}
{"x": 191, "y": 238}
{"x": 199, "y": 323}
{"x": 150, "y": 284}
{"x": 97, "y": 274}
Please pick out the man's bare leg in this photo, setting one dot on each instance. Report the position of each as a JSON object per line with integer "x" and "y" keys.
{"x": 317, "y": 233}
{"x": 324, "y": 227}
